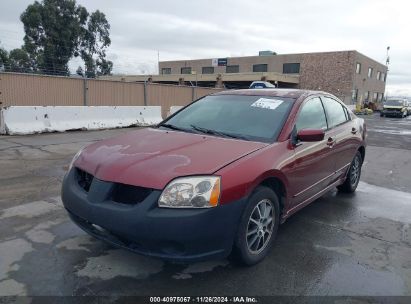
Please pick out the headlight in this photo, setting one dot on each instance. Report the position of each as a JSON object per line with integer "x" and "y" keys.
{"x": 74, "y": 159}
{"x": 191, "y": 192}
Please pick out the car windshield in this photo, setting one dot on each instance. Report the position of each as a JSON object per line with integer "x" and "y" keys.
{"x": 393, "y": 103}
{"x": 256, "y": 118}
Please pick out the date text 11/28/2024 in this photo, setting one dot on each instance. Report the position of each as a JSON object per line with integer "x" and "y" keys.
{"x": 204, "y": 299}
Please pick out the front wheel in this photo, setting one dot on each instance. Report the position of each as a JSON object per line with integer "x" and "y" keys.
{"x": 382, "y": 114}
{"x": 353, "y": 177}
{"x": 258, "y": 227}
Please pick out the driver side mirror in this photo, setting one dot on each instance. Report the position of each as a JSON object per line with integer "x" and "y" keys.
{"x": 310, "y": 135}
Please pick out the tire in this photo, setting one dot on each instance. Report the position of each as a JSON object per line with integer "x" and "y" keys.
{"x": 257, "y": 218}
{"x": 353, "y": 176}
{"x": 381, "y": 114}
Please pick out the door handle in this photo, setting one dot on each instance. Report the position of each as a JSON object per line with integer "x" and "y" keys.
{"x": 354, "y": 130}
{"x": 331, "y": 142}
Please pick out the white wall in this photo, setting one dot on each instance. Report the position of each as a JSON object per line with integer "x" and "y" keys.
{"x": 174, "y": 109}
{"x": 29, "y": 120}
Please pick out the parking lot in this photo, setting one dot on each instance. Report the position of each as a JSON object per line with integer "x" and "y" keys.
{"x": 356, "y": 244}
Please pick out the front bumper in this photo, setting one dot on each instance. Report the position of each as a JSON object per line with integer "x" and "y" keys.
{"x": 393, "y": 113}
{"x": 181, "y": 235}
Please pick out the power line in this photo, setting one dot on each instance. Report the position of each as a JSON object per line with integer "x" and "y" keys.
{"x": 127, "y": 64}
{"x": 4, "y": 30}
{"x": 39, "y": 67}
{"x": 119, "y": 66}
{"x": 47, "y": 73}
{"x": 63, "y": 47}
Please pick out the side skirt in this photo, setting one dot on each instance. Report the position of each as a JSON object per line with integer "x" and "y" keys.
{"x": 310, "y": 199}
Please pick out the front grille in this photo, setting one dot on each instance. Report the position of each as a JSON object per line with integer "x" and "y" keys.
{"x": 84, "y": 179}
{"x": 121, "y": 193}
{"x": 130, "y": 195}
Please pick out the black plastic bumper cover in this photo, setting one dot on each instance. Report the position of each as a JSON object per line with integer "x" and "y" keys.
{"x": 393, "y": 113}
{"x": 183, "y": 235}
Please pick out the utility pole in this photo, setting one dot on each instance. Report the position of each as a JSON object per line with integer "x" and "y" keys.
{"x": 158, "y": 62}
{"x": 194, "y": 88}
{"x": 85, "y": 85}
{"x": 387, "y": 62}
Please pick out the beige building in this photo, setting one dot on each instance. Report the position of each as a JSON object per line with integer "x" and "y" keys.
{"x": 349, "y": 75}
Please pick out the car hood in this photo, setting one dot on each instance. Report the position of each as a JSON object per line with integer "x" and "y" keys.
{"x": 152, "y": 157}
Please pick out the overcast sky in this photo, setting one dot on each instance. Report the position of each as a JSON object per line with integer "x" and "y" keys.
{"x": 184, "y": 29}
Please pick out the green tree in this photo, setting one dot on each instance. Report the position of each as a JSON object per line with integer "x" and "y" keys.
{"x": 104, "y": 67}
{"x": 79, "y": 71}
{"x": 52, "y": 32}
{"x": 4, "y": 59}
{"x": 19, "y": 61}
{"x": 94, "y": 41}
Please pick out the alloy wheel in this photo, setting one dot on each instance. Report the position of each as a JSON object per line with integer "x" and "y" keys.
{"x": 260, "y": 226}
{"x": 355, "y": 171}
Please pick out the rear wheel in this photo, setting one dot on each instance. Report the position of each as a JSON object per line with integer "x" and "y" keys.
{"x": 258, "y": 227}
{"x": 381, "y": 114}
{"x": 353, "y": 177}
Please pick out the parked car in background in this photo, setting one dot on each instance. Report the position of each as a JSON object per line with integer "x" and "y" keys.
{"x": 261, "y": 85}
{"x": 395, "y": 108}
{"x": 408, "y": 107}
{"x": 219, "y": 176}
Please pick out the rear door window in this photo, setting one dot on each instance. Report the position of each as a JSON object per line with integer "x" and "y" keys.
{"x": 335, "y": 112}
{"x": 347, "y": 114}
{"x": 312, "y": 115}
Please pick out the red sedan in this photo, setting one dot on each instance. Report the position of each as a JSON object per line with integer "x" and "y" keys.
{"x": 217, "y": 177}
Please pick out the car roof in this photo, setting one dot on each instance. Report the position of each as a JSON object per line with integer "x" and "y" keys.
{"x": 263, "y": 82}
{"x": 291, "y": 93}
{"x": 397, "y": 99}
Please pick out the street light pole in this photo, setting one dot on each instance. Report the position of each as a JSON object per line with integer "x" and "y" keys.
{"x": 387, "y": 62}
{"x": 158, "y": 62}
{"x": 194, "y": 88}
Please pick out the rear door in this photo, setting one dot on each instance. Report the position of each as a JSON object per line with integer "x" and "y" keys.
{"x": 313, "y": 167}
{"x": 342, "y": 130}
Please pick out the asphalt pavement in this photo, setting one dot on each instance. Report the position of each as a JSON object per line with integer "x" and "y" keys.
{"x": 341, "y": 244}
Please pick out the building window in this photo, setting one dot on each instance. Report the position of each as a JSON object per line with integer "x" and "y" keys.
{"x": 370, "y": 70}
{"x": 354, "y": 95}
{"x": 260, "y": 68}
{"x": 165, "y": 71}
{"x": 291, "y": 68}
{"x": 358, "y": 68}
{"x": 207, "y": 70}
{"x": 232, "y": 69}
{"x": 375, "y": 97}
{"x": 367, "y": 96}
{"x": 378, "y": 75}
{"x": 186, "y": 70}
{"x": 383, "y": 76}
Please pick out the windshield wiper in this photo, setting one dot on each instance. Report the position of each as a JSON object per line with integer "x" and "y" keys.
{"x": 173, "y": 127}
{"x": 218, "y": 133}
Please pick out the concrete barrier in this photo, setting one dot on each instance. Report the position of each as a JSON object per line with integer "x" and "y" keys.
{"x": 351, "y": 107}
{"x": 2, "y": 126}
{"x": 29, "y": 120}
{"x": 174, "y": 109}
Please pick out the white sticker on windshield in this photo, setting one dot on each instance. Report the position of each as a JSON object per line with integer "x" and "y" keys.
{"x": 266, "y": 103}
